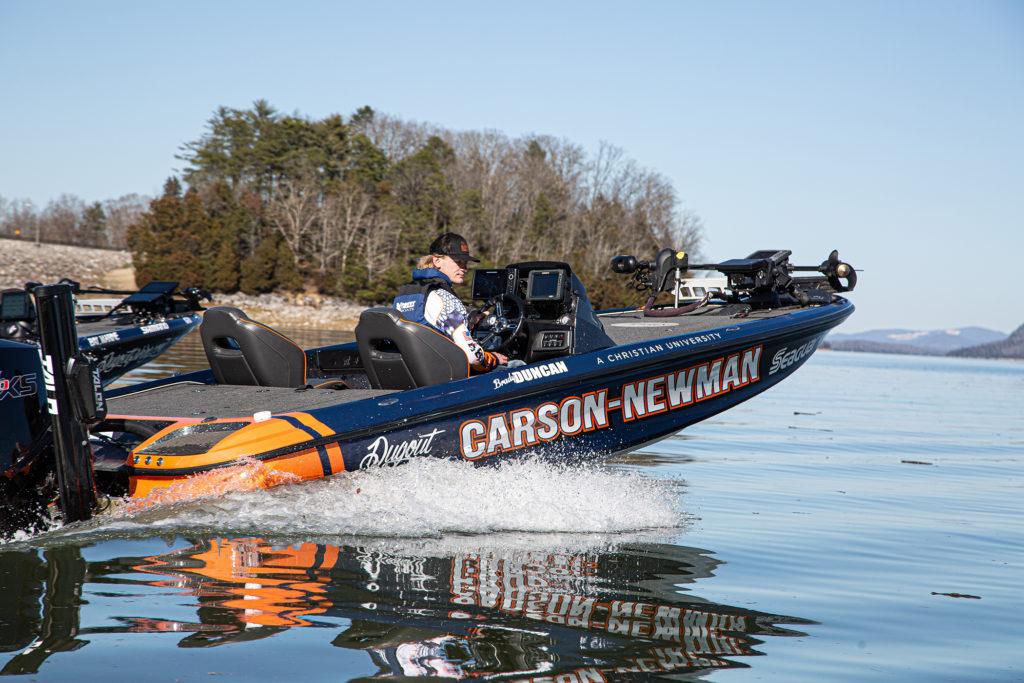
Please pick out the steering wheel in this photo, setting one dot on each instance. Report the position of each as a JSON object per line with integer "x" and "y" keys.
{"x": 503, "y": 323}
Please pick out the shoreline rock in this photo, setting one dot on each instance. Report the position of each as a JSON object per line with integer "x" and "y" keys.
{"x": 294, "y": 311}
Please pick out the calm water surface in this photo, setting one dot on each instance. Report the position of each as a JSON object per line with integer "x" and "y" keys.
{"x": 859, "y": 522}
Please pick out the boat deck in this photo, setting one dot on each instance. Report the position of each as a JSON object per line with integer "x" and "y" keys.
{"x": 101, "y": 326}
{"x": 631, "y": 327}
{"x": 186, "y": 400}
{"x": 96, "y": 324}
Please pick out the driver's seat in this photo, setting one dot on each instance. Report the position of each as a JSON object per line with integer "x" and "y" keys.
{"x": 400, "y": 354}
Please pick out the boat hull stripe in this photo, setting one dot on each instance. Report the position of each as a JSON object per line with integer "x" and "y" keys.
{"x": 321, "y": 450}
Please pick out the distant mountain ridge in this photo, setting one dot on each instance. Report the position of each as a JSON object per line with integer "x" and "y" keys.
{"x": 937, "y": 341}
{"x": 1011, "y": 347}
{"x": 924, "y": 342}
{"x": 865, "y": 346}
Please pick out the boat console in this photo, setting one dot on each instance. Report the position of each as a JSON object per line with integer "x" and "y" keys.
{"x": 535, "y": 311}
{"x": 17, "y": 314}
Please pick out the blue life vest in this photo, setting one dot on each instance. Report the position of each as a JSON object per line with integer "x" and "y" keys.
{"x": 412, "y": 296}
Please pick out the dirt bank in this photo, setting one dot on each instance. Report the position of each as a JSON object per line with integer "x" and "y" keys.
{"x": 22, "y": 262}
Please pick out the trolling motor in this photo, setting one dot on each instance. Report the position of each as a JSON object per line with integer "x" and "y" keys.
{"x": 836, "y": 271}
{"x": 652, "y": 274}
{"x": 156, "y": 300}
{"x": 762, "y": 280}
{"x": 655, "y": 275}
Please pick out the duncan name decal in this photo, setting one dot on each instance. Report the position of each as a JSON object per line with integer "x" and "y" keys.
{"x": 529, "y": 374}
{"x": 524, "y": 427}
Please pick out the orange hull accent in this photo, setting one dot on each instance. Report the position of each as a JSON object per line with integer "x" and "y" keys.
{"x": 228, "y": 464}
{"x": 249, "y": 475}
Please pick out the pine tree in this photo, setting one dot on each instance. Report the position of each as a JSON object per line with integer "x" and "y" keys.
{"x": 229, "y": 221}
{"x": 224, "y": 273}
{"x": 286, "y": 275}
{"x": 165, "y": 240}
{"x": 94, "y": 225}
{"x": 257, "y": 272}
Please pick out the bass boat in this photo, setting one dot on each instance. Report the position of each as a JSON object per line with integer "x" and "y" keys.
{"x": 117, "y": 334}
{"x": 581, "y": 383}
{"x": 98, "y": 340}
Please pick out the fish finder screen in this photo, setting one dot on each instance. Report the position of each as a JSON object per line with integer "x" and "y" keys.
{"x": 545, "y": 285}
{"x": 152, "y": 292}
{"x": 488, "y": 283}
{"x": 14, "y": 306}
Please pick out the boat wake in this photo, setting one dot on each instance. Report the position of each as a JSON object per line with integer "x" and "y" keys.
{"x": 424, "y": 498}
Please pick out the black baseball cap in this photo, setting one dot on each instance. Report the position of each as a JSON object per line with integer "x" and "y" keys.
{"x": 451, "y": 244}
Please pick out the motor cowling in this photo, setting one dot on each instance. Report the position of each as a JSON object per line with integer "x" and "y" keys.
{"x": 22, "y": 403}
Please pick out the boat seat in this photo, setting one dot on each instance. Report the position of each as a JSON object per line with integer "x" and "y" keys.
{"x": 243, "y": 351}
{"x": 400, "y": 354}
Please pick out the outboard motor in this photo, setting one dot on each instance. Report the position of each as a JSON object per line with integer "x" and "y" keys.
{"x": 25, "y": 463}
{"x": 21, "y": 404}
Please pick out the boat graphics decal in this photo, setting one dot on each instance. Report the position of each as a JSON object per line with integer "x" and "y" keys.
{"x": 380, "y": 452}
{"x": 785, "y": 356}
{"x": 115, "y": 361}
{"x": 530, "y": 374}
{"x": 321, "y": 451}
{"x": 630, "y": 354}
{"x": 50, "y": 383}
{"x": 155, "y": 327}
{"x": 105, "y": 338}
{"x": 522, "y": 427}
{"x": 19, "y": 386}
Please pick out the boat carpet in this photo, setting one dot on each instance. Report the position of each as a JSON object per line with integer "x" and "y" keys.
{"x": 221, "y": 400}
{"x": 631, "y": 327}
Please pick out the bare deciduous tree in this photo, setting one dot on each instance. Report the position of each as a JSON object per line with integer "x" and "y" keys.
{"x": 120, "y": 213}
{"x": 61, "y": 218}
{"x": 344, "y": 215}
{"x": 294, "y": 208}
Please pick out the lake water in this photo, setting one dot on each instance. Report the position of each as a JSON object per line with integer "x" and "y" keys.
{"x": 859, "y": 522}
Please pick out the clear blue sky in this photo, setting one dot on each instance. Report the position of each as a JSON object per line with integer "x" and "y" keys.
{"x": 893, "y": 131}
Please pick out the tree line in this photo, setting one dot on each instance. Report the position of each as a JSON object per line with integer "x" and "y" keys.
{"x": 268, "y": 201}
{"x": 70, "y": 220}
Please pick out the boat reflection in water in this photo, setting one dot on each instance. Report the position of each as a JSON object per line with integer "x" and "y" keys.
{"x": 526, "y": 612}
